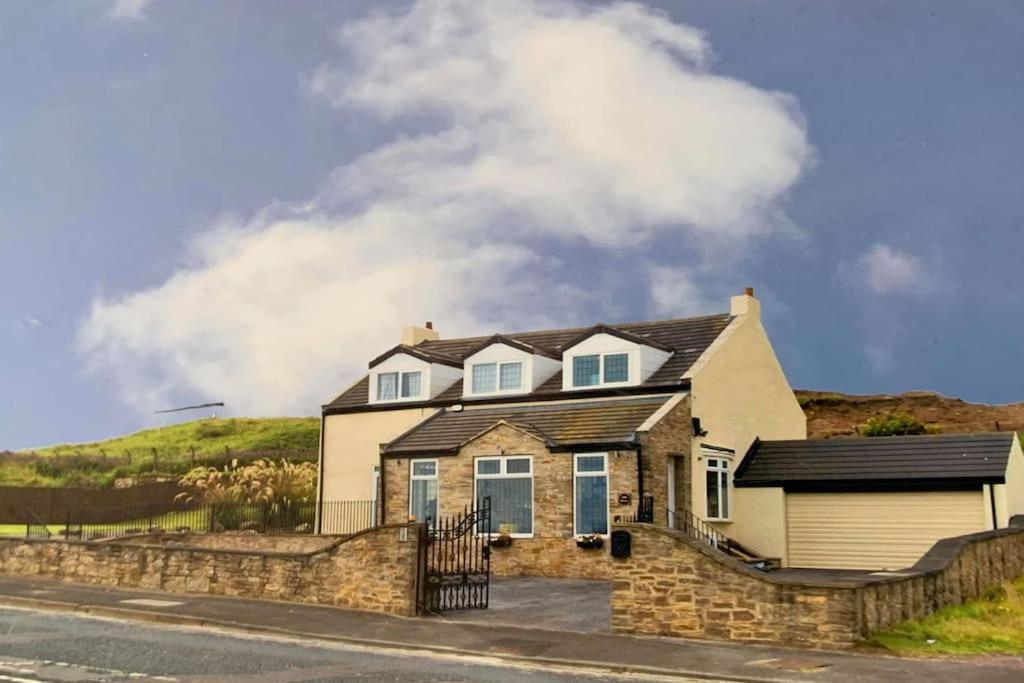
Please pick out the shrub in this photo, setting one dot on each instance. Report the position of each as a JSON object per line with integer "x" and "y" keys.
{"x": 893, "y": 424}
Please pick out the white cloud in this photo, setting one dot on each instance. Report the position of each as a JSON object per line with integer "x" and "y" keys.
{"x": 130, "y": 10}
{"x": 886, "y": 271}
{"x": 674, "y": 293}
{"x": 562, "y": 126}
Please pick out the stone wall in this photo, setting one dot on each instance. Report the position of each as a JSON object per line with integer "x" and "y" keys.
{"x": 275, "y": 543}
{"x": 674, "y": 586}
{"x": 373, "y": 570}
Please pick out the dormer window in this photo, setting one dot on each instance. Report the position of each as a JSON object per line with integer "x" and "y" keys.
{"x": 489, "y": 378}
{"x": 600, "y": 368}
{"x": 394, "y": 385}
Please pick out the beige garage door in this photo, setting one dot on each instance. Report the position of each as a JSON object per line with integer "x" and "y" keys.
{"x": 876, "y": 530}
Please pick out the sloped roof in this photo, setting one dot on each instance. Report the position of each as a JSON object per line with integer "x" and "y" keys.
{"x": 687, "y": 337}
{"x": 416, "y": 352}
{"x": 514, "y": 343}
{"x": 894, "y": 460}
{"x": 557, "y": 424}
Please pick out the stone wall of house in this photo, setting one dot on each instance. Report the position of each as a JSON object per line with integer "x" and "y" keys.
{"x": 673, "y": 586}
{"x": 671, "y": 437}
{"x": 552, "y": 552}
{"x": 373, "y": 570}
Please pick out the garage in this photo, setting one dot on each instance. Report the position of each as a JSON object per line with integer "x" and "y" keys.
{"x": 876, "y": 530}
{"x": 881, "y": 503}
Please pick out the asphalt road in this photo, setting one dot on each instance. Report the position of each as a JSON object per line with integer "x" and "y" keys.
{"x": 64, "y": 648}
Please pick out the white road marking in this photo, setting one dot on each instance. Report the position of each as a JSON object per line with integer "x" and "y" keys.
{"x": 15, "y": 679}
{"x": 147, "y": 602}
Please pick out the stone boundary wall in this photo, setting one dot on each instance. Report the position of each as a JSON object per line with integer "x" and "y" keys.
{"x": 253, "y": 542}
{"x": 373, "y": 570}
{"x": 674, "y": 586}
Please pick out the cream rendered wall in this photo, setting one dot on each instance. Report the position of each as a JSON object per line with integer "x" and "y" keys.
{"x": 1010, "y": 496}
{"x": 739, "y": 392}
{"x": 351, "y": 448}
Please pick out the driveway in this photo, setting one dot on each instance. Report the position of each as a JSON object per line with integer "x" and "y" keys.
{"x": 551, "y": 604}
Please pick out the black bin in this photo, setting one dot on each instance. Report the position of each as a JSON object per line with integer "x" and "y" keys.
{"x": 620, "y": 543}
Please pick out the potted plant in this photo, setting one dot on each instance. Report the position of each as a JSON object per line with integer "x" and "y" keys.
{"x": 590, "y": 541}
{"x": 502, "y": 540}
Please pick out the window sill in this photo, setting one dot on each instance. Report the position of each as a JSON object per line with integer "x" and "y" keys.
{"x": 718, "y": 520}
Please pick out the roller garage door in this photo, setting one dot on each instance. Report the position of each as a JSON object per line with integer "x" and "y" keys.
{"x": 876, "y": 530}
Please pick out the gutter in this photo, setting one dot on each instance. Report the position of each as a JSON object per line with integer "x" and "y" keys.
{"x": 318, "y": 523}
{"x": 992, "y": 501}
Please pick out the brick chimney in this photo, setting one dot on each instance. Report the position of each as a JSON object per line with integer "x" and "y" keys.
{"x": 745, "y": 304}
{"x": 413, "y": 335}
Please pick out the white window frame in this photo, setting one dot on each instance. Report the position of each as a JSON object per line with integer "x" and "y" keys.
{"x": 398, "y": 385}
{"x": 503, "y": 475}
{"x": 723, "y": 465}
{"x": 608, "y": 504}
{"x": 422, "y": 477}
{"x": 497, "y": 378}
{"x": 600, "y": 369}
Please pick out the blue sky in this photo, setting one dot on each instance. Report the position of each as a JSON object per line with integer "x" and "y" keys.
{"x": 244, "y": 201}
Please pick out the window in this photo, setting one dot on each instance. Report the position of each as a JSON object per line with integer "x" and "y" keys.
{"x": 392, "y": 385}
{"x": 718, "y": 487}
{"x": 616, "y": 367}
{"x": 586, "y": 371}
{"x": 423, "y": 489}
{"x": 596, "y": 369}
{"x": 491, "y": 377}
{"x": 508, "y": 481}
{"x": 590, "y": 481}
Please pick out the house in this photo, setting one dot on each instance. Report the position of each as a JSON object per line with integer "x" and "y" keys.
{"x": 689, "y": 423}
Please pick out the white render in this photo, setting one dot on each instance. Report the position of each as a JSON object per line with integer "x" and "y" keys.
{"x": 536, "y": 369}
{"x": 435, "y": 379}
{"x": 644, "y": 360}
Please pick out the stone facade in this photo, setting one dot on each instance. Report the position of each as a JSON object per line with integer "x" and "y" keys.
{"x": 373, "y": 570}
{"x": 674, "y": 586}
{"x": 552, "y": 551}
{"x": 275, "y": 543}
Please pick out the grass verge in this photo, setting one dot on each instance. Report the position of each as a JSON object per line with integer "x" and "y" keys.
{"x": 993, "y": 624}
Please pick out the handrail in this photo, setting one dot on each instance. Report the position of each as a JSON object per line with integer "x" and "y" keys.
{"x": 697, "y": 528}
{"x": 29, "y": 523}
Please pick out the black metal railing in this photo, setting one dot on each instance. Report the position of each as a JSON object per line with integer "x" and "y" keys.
{"x": 696, "y": 528}
{"x": 454, "y": 564}
{"x": 34, "y": 525}
{"x": 336, "y": 517}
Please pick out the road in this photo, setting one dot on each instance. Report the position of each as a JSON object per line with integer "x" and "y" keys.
{"x": 43, "y": 646}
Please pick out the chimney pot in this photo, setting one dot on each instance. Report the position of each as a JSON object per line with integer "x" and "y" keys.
{"x": 430, "y": 325}
{"x": 749, "y": 291}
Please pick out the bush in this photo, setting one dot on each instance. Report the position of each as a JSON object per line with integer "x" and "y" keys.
{"x": 893, "y": 424}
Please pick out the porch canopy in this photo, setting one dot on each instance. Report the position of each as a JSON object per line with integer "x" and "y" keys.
{"x": 609, "y": 423}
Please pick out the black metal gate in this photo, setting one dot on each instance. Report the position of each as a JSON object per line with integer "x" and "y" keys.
{"x": 455, "y": 562}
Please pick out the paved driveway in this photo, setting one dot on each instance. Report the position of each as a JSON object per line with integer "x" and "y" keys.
{"x": 552, "y": 604}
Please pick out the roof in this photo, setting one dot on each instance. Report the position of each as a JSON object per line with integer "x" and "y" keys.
{"x": 601, "y": 328}
{"x": 514, "y": 343}
{"x": 893, "y": 461}
{"x": 416, "y": 352}
{"x": 688, "y": 338}
{"x": 559, "y": 425}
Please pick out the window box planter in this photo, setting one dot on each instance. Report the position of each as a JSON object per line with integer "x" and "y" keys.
{"x": 591, "y": 542}
{"x": 502, "y": 540}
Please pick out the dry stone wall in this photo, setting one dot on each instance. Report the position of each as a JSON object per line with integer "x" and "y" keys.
{"x": 674, "y": 586}
{"x": 373, "y": 570}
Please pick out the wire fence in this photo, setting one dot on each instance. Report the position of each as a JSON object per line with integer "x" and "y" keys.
{"x": 336, "y": 517}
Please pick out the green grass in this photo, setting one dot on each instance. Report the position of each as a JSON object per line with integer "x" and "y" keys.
{"x": 991, "y": 625}
{"x": 208, "y": 437}
{"x": 164, "y": 450}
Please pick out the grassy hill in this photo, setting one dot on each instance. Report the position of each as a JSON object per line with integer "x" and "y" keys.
{"x": 166, "y": 451}
{"x": 831, "y": 414}
{"x": 208, "y": 437}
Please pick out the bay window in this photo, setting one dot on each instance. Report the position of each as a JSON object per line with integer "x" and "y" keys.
{"x": 590, "y": 493}
{"x": 508, "y": 482}
{"x": 717, "y": 479}
{"x": 423, "y": 490}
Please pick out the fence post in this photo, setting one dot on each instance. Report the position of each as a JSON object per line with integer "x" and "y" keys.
{"x": 155, "y": 460}
{"x": 67, "y": 524}
{"x": 129, "y": 454}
